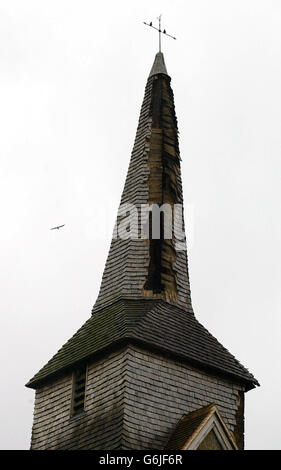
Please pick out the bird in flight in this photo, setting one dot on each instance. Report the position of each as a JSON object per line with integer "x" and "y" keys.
{"x": 57, "y": 228}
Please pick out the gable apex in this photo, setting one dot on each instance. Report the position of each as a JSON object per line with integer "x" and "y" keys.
{"x": 199, "y": 429}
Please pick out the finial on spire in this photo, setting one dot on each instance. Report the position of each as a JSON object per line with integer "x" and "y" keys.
{"x": 159, "y": 30}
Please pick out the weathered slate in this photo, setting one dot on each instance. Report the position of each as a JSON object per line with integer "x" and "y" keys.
{"x": 134, "y": 400}
{"x": 153, "y": 323}
{"x": 149, "y": 360}
{"x": 154, "y": 177}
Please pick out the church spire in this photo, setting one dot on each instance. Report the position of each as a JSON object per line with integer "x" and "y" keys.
{"x": 152, "y": 267}
{"x": 142, "y": 371}
{"x": 145, "y": 293}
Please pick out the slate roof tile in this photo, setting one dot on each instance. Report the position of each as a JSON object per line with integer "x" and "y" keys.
{"x": 121, "y": 311}
{"x": 152, "y": 323}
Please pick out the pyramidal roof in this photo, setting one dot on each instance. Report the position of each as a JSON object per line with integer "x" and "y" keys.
{"x": 144, "y": 296}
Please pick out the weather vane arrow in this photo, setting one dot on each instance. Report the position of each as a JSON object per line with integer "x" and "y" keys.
{"x": 159, "y": 30}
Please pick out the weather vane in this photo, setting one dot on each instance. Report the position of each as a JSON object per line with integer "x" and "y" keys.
{"x": 159, "y": 30}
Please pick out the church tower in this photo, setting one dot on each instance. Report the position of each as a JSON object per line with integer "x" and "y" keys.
{"x": 142, "y": 373}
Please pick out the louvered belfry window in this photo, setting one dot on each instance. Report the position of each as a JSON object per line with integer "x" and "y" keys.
{"x": 79, "y": 386}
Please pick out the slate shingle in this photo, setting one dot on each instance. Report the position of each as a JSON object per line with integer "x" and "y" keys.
{"x": 122, "y": 313}
{"x": 152, "y": 324}
{"x": 126, "y": 268}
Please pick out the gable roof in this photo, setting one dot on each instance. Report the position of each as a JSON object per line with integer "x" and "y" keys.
{"x": 194, "y": 427}
{"x": 150, "y": 323}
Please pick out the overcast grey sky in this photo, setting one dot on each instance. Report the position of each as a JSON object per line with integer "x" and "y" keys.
{"x": 72, "y": 81}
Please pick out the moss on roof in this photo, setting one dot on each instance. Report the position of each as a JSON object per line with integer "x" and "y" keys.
{"x": 154, "y": 324}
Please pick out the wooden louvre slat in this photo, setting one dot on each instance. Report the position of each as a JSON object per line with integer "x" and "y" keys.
{"x": 79, "y": 387}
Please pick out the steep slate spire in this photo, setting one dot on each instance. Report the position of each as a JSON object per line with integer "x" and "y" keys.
{"x": 144, "y": 297}
{"x": 138, "y": 269}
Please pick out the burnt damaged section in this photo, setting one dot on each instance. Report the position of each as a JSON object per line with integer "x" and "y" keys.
{"x": 164, "y": 171}
{"x": 154, "y": 281}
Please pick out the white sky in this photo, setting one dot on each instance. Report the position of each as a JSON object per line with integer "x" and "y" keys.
{"x": 72, "y": 78}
